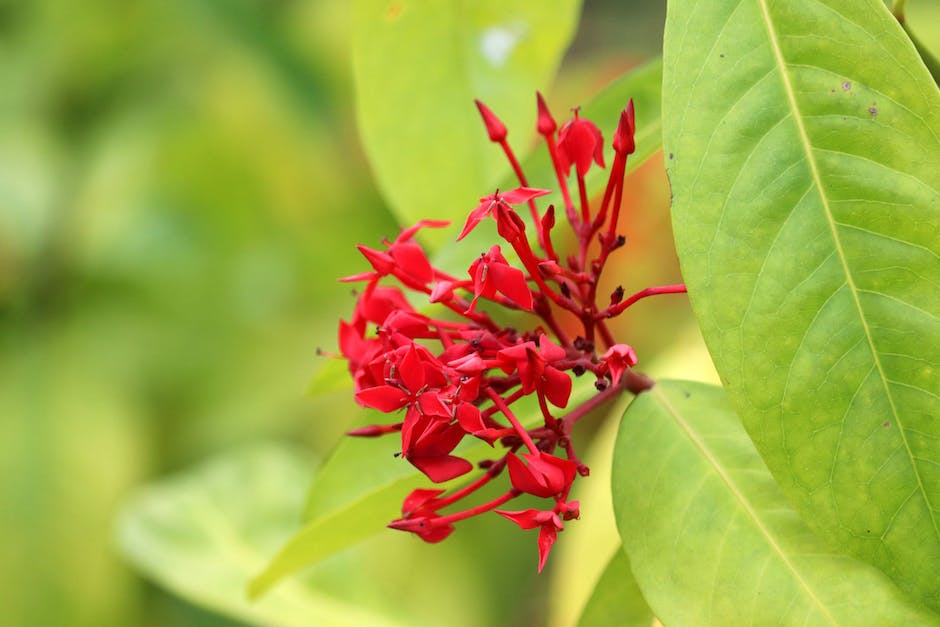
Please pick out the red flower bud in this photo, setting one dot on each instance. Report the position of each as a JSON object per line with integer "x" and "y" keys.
{"x": 623, "y": 137}
{"x": 494, "y": 126}
{"x": 546, "y": 123}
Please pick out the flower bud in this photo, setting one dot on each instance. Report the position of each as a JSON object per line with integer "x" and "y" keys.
{"x": 494, "y": 127}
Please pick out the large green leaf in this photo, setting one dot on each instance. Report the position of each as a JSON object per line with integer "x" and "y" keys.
{"x": 200, "y": 537}
{"x": 418, "y": 67}
{"x": 803, "y": 153}
{"x": 617, "y": 599}
{"x": 709, "y": 534}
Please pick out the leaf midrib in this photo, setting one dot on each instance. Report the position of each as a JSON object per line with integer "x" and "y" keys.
{"x": 743, "y": 501}
{"x": 830, "y": 221}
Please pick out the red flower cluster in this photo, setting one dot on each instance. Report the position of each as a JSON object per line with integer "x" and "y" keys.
{"x": 458, "y": 375}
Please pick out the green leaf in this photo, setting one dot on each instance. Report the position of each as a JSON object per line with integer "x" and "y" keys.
{"x": 331, "y": 376}
{"x": 803, "y": 153}
{"x": 419, "y": 66}
{"x": 198, "y": 535}
{"x": 709, "y": 534}
{"x": 617, "y": 599}
{"x": 360, "y": 488}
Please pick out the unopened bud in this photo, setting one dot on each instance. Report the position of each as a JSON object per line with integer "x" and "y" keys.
{"x": 624, "y": 143}
{"x": 546, "y": 123}
{"x": 617, "y": 295}
{"x": 494, "y": 127}
{"x": 548, "y": 220}
{"x": 508, "y": 223}
{"x": 549, "y": 268}
{"x": 372, "y": 431}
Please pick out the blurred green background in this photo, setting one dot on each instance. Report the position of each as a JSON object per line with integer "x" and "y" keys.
{"x": 180, "y": 185}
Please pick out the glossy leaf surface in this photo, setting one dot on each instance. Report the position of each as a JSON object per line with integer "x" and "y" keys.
{"x": 802, "y": 148}
{"x": 616, "y": 599}
{"x": 710, "y": 537}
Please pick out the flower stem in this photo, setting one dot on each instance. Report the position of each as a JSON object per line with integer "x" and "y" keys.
{"x": 526, "y": 438}
{"x": 617, "y": 309}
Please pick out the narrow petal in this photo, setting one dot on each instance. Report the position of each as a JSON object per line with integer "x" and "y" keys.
{"x": 547, "y": 536}
{"x": 523, "y": 479}
{"x": 549, "y": 350}
{"x": 385, "y": 398}
{"x": 380, "y": 260}
{"x": 469, "y": 418}
{"x": 511, "y": 282}
{"x": 411, "y": 370}
{"x": 411, "y": 259}
{"x": 475, "y": 216}
{"x": 408, "y": 233}
{"x": 418, "y": 499}
{"x": 523, "y": 194}
{"x": 441, "y": 468}
{"x": 558, "y": 386}
{"x": 527, "y": 519}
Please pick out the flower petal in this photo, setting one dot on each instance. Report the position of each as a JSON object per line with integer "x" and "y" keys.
{"x": 547, "y": 536}
{"x": 385, "y": 398}
{"x": 441, "y": 468}
{"x": 523, "y": 194}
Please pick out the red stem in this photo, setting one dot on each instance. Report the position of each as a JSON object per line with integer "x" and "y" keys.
{"x": 526, "y": 438}
{"x": 473, "y": 511}
{"x": 617, "y": 309}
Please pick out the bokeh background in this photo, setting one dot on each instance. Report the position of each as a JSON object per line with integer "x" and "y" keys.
{"x": 180, "y": 185}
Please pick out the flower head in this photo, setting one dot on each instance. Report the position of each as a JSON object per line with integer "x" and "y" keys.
{"x": 457, "y": 374}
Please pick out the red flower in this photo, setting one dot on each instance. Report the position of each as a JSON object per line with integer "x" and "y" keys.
{"x": 404, "y": 256}
{"x": 427, "y": 444}
{"x": 548, "y": 522}
{"x": 419, "y": 515}
{"x": 545, "y": 476}
{"x": 410, "y": 376}
{"x": 465, "y": 373}
{"x": 376, "y": 303}
{"x": 535, "y": 369}
{"x": 618, "y": 358}
{"x": 491, "y": 273}
{"x": 489, "y": 203}
{"x": 579, "y": 141}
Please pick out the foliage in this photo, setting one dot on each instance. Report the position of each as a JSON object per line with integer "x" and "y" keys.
{"x": 175, "y": 203}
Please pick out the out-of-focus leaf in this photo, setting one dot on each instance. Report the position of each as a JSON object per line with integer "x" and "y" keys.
{"x": 418, "y": 67}
{"x": 360, "y": 488}
{"x": 331, "y": 376}
{"x": 805, "y": 165}
{"x": 617, "y": 599}
{"x": 71, "y": 443}
{"x": 710, "y": 537}
{"x": 202, "y": 534}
